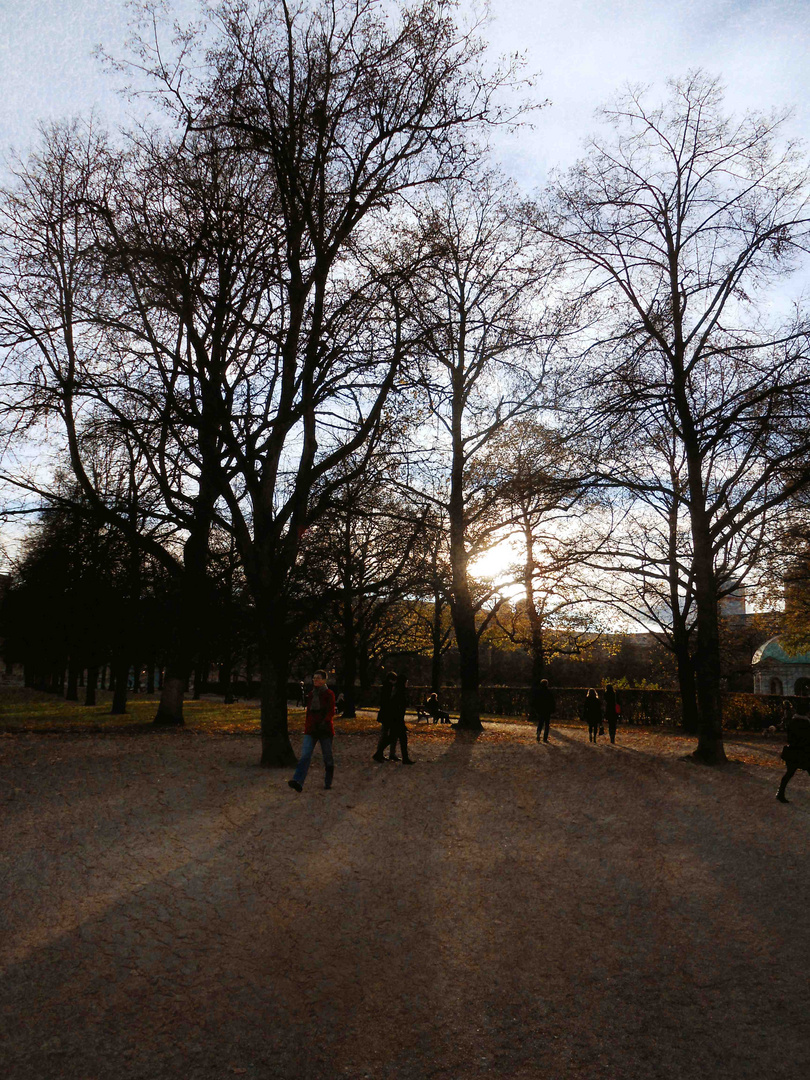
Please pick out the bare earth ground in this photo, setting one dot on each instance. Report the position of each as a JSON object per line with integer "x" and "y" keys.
{"x": 501, "y": 909}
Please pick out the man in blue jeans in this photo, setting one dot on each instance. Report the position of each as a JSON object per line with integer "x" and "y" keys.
{"x": 318, "y": 727}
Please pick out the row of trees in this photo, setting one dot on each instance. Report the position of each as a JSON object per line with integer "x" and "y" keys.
{"x": 302, "y": 313}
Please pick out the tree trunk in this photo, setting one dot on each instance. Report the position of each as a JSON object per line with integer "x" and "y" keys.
{"x": 72, "y": 691}
{"x": 277, "y": 751}
{"x": 538, "y": 655}
{"x": 226, "y": 679}
{"x": 710, "y": 749}
{"x": 90, "y": 689}
{"x": 467, "y": 641}
{"x": 200, "y": 675}
{"x": 170, "y": 708}
{"x": 150, "y": 677}
{"x": 686, "y": 683}
{"x": 136, "y": 678}
{"x": 120, "y": 672}
{"x": 466, "y": 636}
{"x": 437, "y": 640}
{"x": 349, "y": 676}
{"x": 462, "y": 604}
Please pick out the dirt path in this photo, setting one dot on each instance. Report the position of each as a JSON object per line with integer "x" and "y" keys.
{"x": 501, "y": 909}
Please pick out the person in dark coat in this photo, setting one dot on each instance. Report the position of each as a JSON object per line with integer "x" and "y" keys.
{"x": 435, "y": 711}
{"x": 611, "y": 711}
{"x": 545, "y": 706}
{"x": 398, "y": 729}
{"x": 384, "y": 715}
{"x": 592, "y": 714}
{"x": 796, "y": 754}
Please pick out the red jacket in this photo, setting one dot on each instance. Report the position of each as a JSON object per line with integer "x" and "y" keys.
{"x": 321, "y": 717}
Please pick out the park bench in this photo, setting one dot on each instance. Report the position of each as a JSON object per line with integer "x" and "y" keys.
{"x": 422, "y": 713}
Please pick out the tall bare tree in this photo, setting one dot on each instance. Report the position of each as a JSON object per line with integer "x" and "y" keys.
{"x": 478, "y": 301}
{"x": 347, "y": 107}
{"x": 676, "y": 226}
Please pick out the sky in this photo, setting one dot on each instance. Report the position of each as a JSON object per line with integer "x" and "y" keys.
{"x": 584, "y": 51}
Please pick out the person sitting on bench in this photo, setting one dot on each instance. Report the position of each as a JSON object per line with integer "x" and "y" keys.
{"x": 433, "y": 710}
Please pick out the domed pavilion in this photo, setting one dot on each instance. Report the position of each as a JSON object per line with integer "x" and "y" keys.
{"x": 778, "y": 672}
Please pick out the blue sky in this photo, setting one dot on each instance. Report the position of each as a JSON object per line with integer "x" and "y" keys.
{"x": 584, "y": 49}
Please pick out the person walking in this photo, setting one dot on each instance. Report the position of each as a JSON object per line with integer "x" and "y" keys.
{"x": 787, "y": 714}
{"x": 384, "y": 714}
{"x": 318, "y": 727}
{"x": 592, "y": 714}
{"x": 545, "y": 705}
{"x": 611, "y": 711}
{"x": 796, "y": 754}
{"x": 398, "y": 729}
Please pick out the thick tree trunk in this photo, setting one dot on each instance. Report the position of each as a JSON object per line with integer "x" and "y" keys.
{"x": 469, "y": 668}
{"x": 538, "y": 655}
{"x": 170, "y": 708}
{"x": 120, "y": 672}
{"x": 200, "y": 675}
{"x": 436, "y": 643}
{"x": 277, "y": 751}
{"x": 226, "y": 679}
{"x": 57, "y": 680}
{"x": 710, "y": 749}
{"x": 686, "y": 683}
{"x": 462, "y": 604}
{"x": 349, "y": 676}
{"x": 72, "y": 691}
{"x": 90, "y": 689}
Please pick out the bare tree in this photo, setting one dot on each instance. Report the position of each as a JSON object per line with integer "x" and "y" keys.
{"x": 676, "y": 226}
{"x": 477, "y": 301}
{"x": 346, "y": 110}
{"x": 548, "y": 503}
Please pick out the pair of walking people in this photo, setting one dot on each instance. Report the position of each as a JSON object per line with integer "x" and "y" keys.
{"x": 594, "y": 717}
{"x": 392, "y": 718}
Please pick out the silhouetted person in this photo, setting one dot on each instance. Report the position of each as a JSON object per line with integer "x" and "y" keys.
{"x": 592, "y": 714}
{"x": 384, "y": 715}
{"x": 796, "y": 754}
{"x": 302, "y": 695}
{"x": 611, "y": 711}
{"x": 434, "y": 710}
{"x": 546, "y": 705}
{"x": 318, "y": 727}
{"x": 787, "y": 714}
{"x": 398, "y": 729}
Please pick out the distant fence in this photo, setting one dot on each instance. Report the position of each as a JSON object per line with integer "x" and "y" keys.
{"x": 741, "y": 712}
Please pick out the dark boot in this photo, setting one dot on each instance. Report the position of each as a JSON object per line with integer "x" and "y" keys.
{"x": 330, "y": 772}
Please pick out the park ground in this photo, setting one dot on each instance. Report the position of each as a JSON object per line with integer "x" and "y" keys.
{"x": 503, "y": 908}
